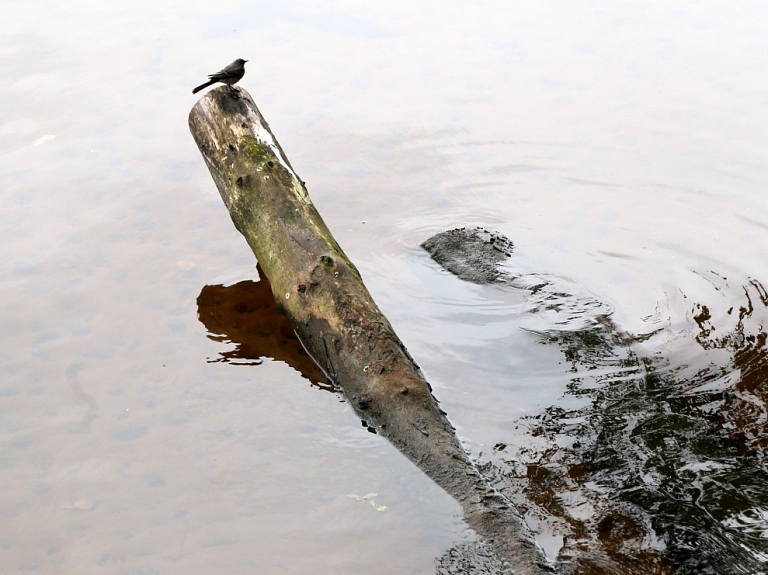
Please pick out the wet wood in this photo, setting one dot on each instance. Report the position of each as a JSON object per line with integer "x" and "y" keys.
{"x": 322, "y": 293}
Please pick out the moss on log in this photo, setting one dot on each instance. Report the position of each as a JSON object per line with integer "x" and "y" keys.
{"x": 322, "y": 293}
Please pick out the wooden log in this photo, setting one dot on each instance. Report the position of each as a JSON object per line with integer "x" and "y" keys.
{"x": 322, "y": 293}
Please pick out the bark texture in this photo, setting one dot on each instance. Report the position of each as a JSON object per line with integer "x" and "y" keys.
{"x": 323, "y": 295}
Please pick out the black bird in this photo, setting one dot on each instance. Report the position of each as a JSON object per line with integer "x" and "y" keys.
{"x": 229, "y": 75}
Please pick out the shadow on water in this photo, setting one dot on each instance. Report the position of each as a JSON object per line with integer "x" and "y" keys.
{"x": 245, "y": 314}
{"x": 653, "y": 459}
{"x": 645, "y": 465}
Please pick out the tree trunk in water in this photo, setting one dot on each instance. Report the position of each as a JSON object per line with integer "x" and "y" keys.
{"x": 323, "y": 295}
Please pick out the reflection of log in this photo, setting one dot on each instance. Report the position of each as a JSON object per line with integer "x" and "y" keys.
{"x": 245, "y": 314}
{"x": 323, "y": 295}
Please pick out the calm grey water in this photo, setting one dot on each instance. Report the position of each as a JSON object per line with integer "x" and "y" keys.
{"x": 623, "y": 148}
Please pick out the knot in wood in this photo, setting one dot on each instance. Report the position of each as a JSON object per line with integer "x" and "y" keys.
{"x": 364, "y": 403}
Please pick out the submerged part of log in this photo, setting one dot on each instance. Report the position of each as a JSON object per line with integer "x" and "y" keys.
{"x": 323, "y": 295}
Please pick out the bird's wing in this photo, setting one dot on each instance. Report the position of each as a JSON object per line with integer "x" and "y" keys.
{"x": 232, "y": 70}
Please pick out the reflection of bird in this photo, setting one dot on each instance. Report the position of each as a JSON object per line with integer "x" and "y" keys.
{"x": 229, "y": 75}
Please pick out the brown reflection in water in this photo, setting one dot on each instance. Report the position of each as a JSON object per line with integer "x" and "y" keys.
{"x": 608, "y": 542}
{"x": 246, "y": 315}
{"x": 744, "y": 405}
{"x": 557, "y": 487}
{"x": 674, "y": 453}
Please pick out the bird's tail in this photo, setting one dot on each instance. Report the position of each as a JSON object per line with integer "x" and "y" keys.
{"x": 201, "y": 86}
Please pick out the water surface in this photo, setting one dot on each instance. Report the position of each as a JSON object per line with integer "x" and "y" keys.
{"x": 621, "y": 148}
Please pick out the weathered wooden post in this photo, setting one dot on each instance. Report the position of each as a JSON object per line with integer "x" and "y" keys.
{"x": 323, "y": 295}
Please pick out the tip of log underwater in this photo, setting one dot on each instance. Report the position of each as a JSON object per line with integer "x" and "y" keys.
{"x": 323, "y": 295}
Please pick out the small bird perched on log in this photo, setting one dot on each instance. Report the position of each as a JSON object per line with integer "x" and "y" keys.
{"x": 232, "y": 74}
